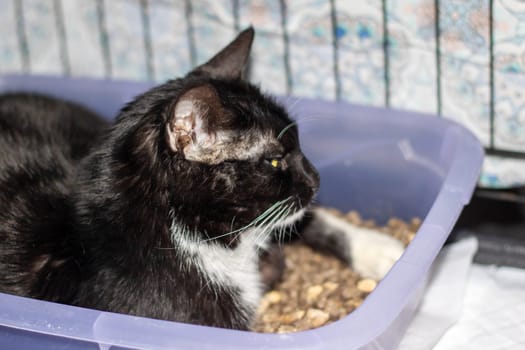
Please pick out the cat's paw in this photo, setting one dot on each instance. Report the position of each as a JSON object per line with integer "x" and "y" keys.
{"x": 374, "y": 253}
{"x": 370, "y": 252}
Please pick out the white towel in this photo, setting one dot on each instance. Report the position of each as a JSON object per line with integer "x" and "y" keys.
{"x": 443, "y": 299}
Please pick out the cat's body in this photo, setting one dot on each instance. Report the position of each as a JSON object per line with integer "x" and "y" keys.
{"x": 42, "y": 141}
{"x": 166, "y": 213}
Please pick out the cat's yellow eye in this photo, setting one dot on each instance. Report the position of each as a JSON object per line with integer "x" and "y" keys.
{"x": 276, "y": 162}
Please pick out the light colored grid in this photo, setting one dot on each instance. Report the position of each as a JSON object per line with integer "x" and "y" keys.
{"x": 267, "y": 59}
{"x": 509, "y": 75}
{"x": 311, "y": 55}
{"x": 83, "y": 38}
{"x": 125, "y": 36}
{"x": 10, "y": 60}
{"x": 359, "y": 32}
{"x": 412, "y": 55}
{"x": 213, "y": 25}
{"x": 170, "y": 43}
{"x": 42, "y": 37}
{"x": 465, "y": 58}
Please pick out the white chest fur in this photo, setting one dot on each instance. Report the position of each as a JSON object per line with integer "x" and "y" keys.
{"x": 222, "y": 266}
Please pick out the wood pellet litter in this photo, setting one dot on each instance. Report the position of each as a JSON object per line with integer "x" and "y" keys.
{"x": 317, "y": 289}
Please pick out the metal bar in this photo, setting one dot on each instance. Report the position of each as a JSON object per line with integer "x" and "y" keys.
{"x": 496, "y": 249}
{"x": 146, "y": 35}
{"x": 505, "y": 153}
{"x": 236, "y": 16}
{"x": 22, "y": 36}
{"x": 104, "y": 38}
{"x": 491, "y": 67}
{"x": 190, "y": 32}
{"x": 335, "y": 50}
{"x": 503, "y": 196}
{"x": 62, "y": 37}
{"x": 286, "y": 42}
{"x": 438, "y": 56}
{"x": 386, "y": 54}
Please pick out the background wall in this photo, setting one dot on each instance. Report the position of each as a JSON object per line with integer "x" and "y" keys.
{"x": 462, "y": 59}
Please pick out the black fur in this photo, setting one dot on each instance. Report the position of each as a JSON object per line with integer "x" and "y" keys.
{"x": 86, "y": 210}
{"x": 41, "y": 142}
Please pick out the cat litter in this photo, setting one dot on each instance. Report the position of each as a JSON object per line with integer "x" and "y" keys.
{"x": 317, "y": 289}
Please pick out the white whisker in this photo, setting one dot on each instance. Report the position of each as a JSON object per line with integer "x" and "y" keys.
{"x": 293, "y": 105}
{"x": 254, "y": 222}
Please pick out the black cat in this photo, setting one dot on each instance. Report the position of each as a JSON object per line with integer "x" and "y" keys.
{"x": 166, "y": 213}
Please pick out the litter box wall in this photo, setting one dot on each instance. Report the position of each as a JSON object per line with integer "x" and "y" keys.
{"x": 459, "y": 59}
{"x": 382, "y": 162}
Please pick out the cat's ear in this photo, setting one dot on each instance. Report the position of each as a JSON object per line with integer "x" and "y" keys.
{"x": 231, "y": 61}
{"x": 187, "y": 129}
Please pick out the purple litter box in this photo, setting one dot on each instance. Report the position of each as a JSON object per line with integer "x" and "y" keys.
{"x": 380, "y": 162}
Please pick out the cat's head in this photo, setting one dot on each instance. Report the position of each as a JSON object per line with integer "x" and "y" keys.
{"x": 228, "y": 155}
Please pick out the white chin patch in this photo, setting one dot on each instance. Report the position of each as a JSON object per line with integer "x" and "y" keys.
{"x": 289, "y": 220}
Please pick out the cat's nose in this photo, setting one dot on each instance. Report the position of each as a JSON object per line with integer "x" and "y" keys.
{"x": 311, "y": 175}
{"x": 307, "y": 174}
